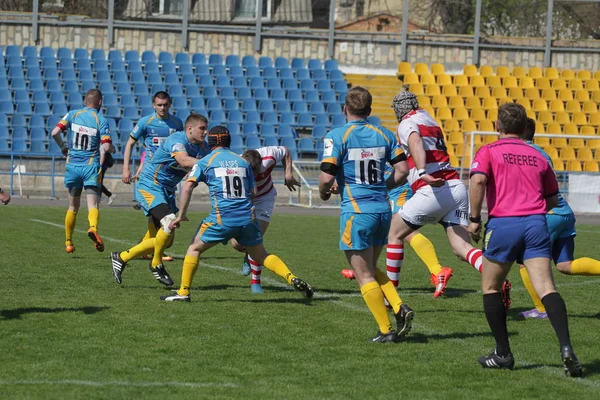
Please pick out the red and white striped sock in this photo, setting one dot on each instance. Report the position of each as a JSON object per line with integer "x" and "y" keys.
{"x": 394, "y": 257}
{"x": 475, "y": 258}
{"x": 256, "y": 271}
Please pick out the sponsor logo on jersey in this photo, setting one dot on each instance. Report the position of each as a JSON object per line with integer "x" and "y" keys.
{"x": 327, "y": 147}
{"x": 366, "y": 154}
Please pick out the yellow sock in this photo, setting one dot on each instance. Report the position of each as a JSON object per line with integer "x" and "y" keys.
{"x": 585, "y": 266}
{"x": 373, "y": 296}
{"x": 277, "y": 266}
{"x": 151, "y": 232}
{"x": 426, "y": 252}
{"x": 389, "y": 290}
{"x": 190, "y": 266}
{"x": 527, "y": 282}
{"x": 70, "y": 219}
{"x": 138, "y": 250}
{"x": 93, "y": 217}
{"x": 161, "y": 240}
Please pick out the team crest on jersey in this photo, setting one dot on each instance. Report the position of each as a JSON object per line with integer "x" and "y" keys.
{"x": 327, "y": 147}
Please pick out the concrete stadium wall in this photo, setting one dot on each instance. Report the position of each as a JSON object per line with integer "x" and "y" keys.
{"x": 356, "y": 54}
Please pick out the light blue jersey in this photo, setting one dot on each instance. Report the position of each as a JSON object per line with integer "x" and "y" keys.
{"x": 86, "y": 131}
{"x": 154, "y": 131}
{"x": 398, "y": 195}
{"x": 230, "y": 182}
{"x": 359, "y": 151}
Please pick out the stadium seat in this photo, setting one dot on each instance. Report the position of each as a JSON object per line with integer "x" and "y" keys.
{"x": 591, "y": 166}
{"x": 297, "y": 63}
{"x": 253, "y": 142}
{"x": 38, "y": 146}
{"x": 19, "y": 145}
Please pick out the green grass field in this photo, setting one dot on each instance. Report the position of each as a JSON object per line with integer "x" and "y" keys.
{"x": 69, "y": 331}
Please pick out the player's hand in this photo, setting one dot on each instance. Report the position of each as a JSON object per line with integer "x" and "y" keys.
{"x": 431, "y": 181}
{"x": 474, "y": 230}
{"x": 325, "y": 196}
{"x": 65, "y": 151}
{"x": 177, "y": 222}
{"x": 5, "y": 198}
{"x": 291, "y": 183}
{"x": 335, "y": 189}
{"x": 126, "y": 177}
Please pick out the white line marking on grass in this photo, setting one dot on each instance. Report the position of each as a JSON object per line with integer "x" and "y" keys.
{"x": 118, "y": 383}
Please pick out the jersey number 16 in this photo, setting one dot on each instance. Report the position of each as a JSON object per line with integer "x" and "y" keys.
{"x": 368, "y": 173}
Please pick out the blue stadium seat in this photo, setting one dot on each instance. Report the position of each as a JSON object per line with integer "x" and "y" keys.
{"x": 168, "y": 68}
{"x": 302, "y": 74}
{"x": 214, "y": 103}
{"x": 140, "y": 89}
{"x": 32, "y": 62}
{"x": 324, "y": 85}
{"x": 5, "y": 95}
{"x": 261, "y": 94}
{"x": 317, "y": 108}
{"x": 318, "y": 74}
{"x": 75, "y": 99}
{"x": 227, "y": 93}
{"x": 38, "y": 132}
{"x": 334, "y": 108}
{"x": 71, "y": 86}
{"x": 30, "y": 51}
{"x": 18, "y": 84}
{"x": 374, "y": 120}
{"x": 232, "y": 60}
{"x": 281, "y": 62}
{"x": 290, "y": 84}
{"x": 85, "y": 75}
{"x": 287, "y": 118}
{"x": 273, "y": 83}
{"x": 113, "y": 112}
{"x": 231, "y": 104}
{"x": 179, "y": 102}
{"x": 314, "y": 63}
{"x": 16, "y": 72}
{"x": 270, "y": 118}
{"x": 311, "y": 96}
{"x": 243, "y": 93}
{"x": 305, "y": 120}
{"x": 128, "y": 100}
{"x": 278, "y": 94}
{"x": 37, "y": 121}
{"x": 197, "y": 103}
{"x": 151, "y": 67}
{"x": 215, "y": 59}
{"x": 205, "y": 81}
{"x": 265, "y": 106}
{"x": 157, "y": 87}
{"x": 340, "y": 87}
{"x": 192, "y": 91}
{"x": 53, "y": 148}
{"x": 120, "y": 77}
{"x": 183, "y": 113}
{"x": 42, "y": 109}
{"x": 165, "y": 57}
{"x": 114, "y": 55}
{"x": 78, "y": 54}
{"x": 253, "y": 142}
{"x": 319, "y": 132}
{"x": 198, "y": 59}
{"x": 35, "y": 85}
{"x": 98, "y": 54}
{"x": 234, "y": 128}
{"x": 235, "y": 72}
{"x": 125, "y": 126}
{"x": 12, "y": 50}
{"x": 132, "y": 55}
{"x": 299, "y": 107}
{"x": 297, "y": 63}
{"x": 18, "y": 121}
{"x": 219, "y": 70}
{"x": 123, "y": 88}
{"x": 264, "y": 62}
{"x": 185, "y": 69}
{"x": 3, "y": 120}
{"x": 24, "y": 108}
{"x": 4, "y": 146}
{"x": 248, "y": 61}
{"x": 253, "y": 117}
{"x": 250, "y": 128}
{"x": 295, "y": 95}
{"x": 137, "y": 77}
{"x": 6, "y": 107}
{"x": 182, "y": 59}
{"x": 112, "y": 125}
{"x": 271, "y": 141}
{"x": 236, "y": 116}
{"x": 100, "y": 65}
{"x": 134, "y": 66}
{"x": 222, "y": 81}
{"x": 148, "y": 56}
{"x": 336, "y": 75}
{"x": 267, "y": 130}
{"x": 286, "y": 73}
{"x": 240, "y": 82}
{"x": 48, "y": 52}
{"x": 21, "y": 96}
{"x": 252, "y": 72}
{"x": 306, "y": 146}
{"x": 188, "y": 79}
{"x": 131, "y": 113}
{"x": 338, "y": 120}
{"x": 248, "y": 105}
{"x": 154, "y": 78}
{"x": 103, "y": 76}
{"x": 202, "y": 69}
{"x": 83, "y": 64}
{"x": 289, "y": 142}
{"x": 329, "y": 97}
{"x": 60, "y": 109}
{"x": 218, "y": 117}
{"x": 237, "y": 142}
{"x": 52, "y": 121}
{"x": 19, "y": 133}
{"x": 19, "y": 146}
{"x": 171, "y": 79}
{"x": 38, "y": 146}
{"x": 144, "y": 100}
{"x": 269, "y": 72}
{"x": 331, "y": 65}
{"x": 283, "y": 106}
{"x": 322, "y": 119}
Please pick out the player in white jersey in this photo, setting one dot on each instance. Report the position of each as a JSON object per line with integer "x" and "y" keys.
{"x": 263, "y": 161}
{"x": 439, "y": 194}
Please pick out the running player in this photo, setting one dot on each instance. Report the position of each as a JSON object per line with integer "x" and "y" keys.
{"x": 439, "y": 194}
{"x": 231, "y": 186}
{"x": 355, "y": 155}
{"x": 87, "y": 131}
{"x": 561, "y": 225}
{"x": 262, "y": 161}
{"x": 171, "y": 162}
{"x": 521, "y": 187}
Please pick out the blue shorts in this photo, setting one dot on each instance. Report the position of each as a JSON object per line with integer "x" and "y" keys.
{"x": 399, "y": 197}
{"x": 151, "y": 196}
{"x": 562, "y": 234}
{"x": 361, "y": 231}
{"x": 510, "y": 239}
{"x": 80, "y": 176}
{"x": 246, "y": 235}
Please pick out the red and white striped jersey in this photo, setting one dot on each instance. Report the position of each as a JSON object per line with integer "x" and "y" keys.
{"x": 437, "y": 161}
{"x": 271, "y": 155}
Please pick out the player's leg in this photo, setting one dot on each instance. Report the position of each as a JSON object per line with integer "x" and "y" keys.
{"x": 162, "y": 215}
{"x": 263, "y": 210}
{"x": 255, "y": 267}
{"x": 71, "y": 217}
{"x": 539, "y": 312}
{"x": 564, "y": 249}
{"x": 426, "y": 251}
{"x": 93, "y": 196}
{"x": 394, "y": 256}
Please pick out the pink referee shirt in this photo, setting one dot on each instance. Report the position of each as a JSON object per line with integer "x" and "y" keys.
{"x": 519, "y": 179}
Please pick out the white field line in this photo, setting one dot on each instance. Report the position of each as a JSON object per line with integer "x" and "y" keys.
{"x": 341, "y": 303}
{"x": 117, "y": 383}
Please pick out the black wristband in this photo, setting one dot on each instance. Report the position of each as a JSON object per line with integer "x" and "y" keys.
{"x": 476, "y": 220}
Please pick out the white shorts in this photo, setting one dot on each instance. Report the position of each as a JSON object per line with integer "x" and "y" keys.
{"x": 448, "y": 204}
{"x": 263, "y": 208}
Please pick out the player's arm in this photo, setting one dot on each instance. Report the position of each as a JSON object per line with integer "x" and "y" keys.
{"x": 186, "y": 195}
{"x": 138, "y": 132}
{"x": 290, "y": 181}
{"x": 57, "y": 134}
{"x": 417, "y": 151}
{"x": 329, "y": 165}
{"x": 105, "y": 140}
{"x": 550, "y": 188}
{"x": 185, "y": 160}
{"x": 398, "y": 162}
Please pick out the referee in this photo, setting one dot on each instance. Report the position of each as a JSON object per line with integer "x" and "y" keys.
{"x": 520, "y": 187}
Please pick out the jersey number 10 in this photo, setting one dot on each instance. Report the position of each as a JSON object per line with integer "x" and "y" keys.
{"x": 81, "y": 141}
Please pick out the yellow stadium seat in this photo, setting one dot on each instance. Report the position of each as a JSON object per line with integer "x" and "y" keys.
{"x": 539, "y": 127}
{"x": 455, "y": 137}
{"x": 526, "y": 82}
{"x": 554, "y": 128}
{"x": 502, "y": 71}
{"x": 577, "y": 143}
{"x": 573, "y": 106}
{"x": 483, "y": 92}
{"x": 584, "y": 154}
{"x": 551, "y": 151}
{"x": 597, "y": 75}
{"x": 567, "y": 154}
{"x": 530, "y": 113}
{"x": 427, "y": 79}
{"x": 551, "y": 73}
{"x": 489, "y": 103}
{"x": 595, "y": 119}
{"x": 433, "y": 90}
{"x": 492, "y": 114}
{"x": 461, "y": 80}
{"x": 470, "y": 70}
{"x": 592, "y": 84}
{"x": 510, "y": 82}
{"x": 505, "y": 100}
{"x": 535, "y": 72}
{"x": 543, "y": 142}
{"x": 575, "y": 84}
{"x": 540, "y": 105}
{"x": 410, "y": 78}
{"x": 466, "y": 91}
{"x": 459, "y": 149}
{"x": 493, "y": 81}
{"x": 424, "y": 100}
{"x": 449, "y": 90}
{"x": 468, "y": 125}
{"x": 421, "y": 69}
{"x": 570, "y": 129}
{"x": 451, "y": 125}
{"x": 404, "y": 68}
{"x": 558, "y": 165}
{"x": 454, "y": 161}
{"x": 472, "y": 102}
{"x": 582, "y": 95}
{"x": 565, "y": 94}
{"x": 499, "y": 92}
{"x": 591, "y": 166}
{"x": 444, "y": 79}
{"x": 542, "y": 83}
{"x": 594, "y": 144}
{"x": 438, "y": 69}
{"x": 487, "y": 126}
{"x": 456, "y": 101}
{"x": 567, "y": 74}
{"x": 429, "y": 110}
{"x": 417, "y": 89}
{"x": 532, "y": 93}
{"x": 439, "y": 101}
{"x": 584, "y": 74}
{"x": 545, "y": 117}
{"x": 574, "y": 166}
{"x": 525, "y": 103}
{"x": 562, "y": 117}
{"x": 559, "y": 84}
{"x": 478, "y": 114}
{"x": 460, "y": 114}
{"x": 450, "y": 149}
{"x": 515, "y": 92}
{"x": 590, "y": 107}
{"x": 557, "y": 105}
{"x": 476, "y": 81}
{"x": 486, "y": 70}
{"x": 587, "y": 130}
{"x": 548, "y": 94}
{"x": 444, "y": 113}
{"x": 579, "y": 118}
{"x": 595, "y": 95}
{"x": 519, "y": 72}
